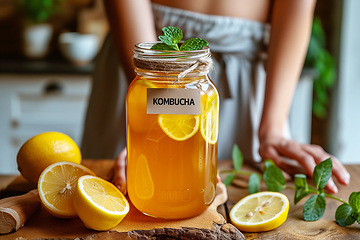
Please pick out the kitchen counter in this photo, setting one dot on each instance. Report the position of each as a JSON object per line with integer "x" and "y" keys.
{"x": 51, "y": 66}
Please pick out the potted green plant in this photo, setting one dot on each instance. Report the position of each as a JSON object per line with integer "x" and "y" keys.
{"x": 319, "y": 58}
{"x": 37, "y": 30}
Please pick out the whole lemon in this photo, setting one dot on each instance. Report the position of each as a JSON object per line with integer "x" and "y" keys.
{"x": 44, "y": 149}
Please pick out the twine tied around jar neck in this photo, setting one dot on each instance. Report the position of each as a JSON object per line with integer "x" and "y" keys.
{"x": 180, "y": 63}
{"x": 201, "y": 65}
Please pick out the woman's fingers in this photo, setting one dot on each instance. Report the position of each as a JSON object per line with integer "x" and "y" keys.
{"x": 338, "y": 170}
{"x": 119, "y": 179}
{"x": 292, "y": 150}
{"x": 308, "y": 159}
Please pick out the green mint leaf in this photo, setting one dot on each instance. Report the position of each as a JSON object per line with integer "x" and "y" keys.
{"x": 237, "y": 158}
{"x": 300, "y": 193}
{"x": 322, "y": 173}
{"x": 228, "y": 180}
{"x": 300, "y": 181}
{"x": 274, "y": 179}
{"x": 254, "y": 183}
{"x": 162, "y": 46}
{"x": 269, "y": 163}
{"x": 314, "y": 207}
{"x": 168, "y": 41}
{"x": 174, "y": 34}
{"x": 301, "y": 187}
{"x": 354, "y": 202}
{"x": 344, "y": 215}
{"x": 193, "y": 44}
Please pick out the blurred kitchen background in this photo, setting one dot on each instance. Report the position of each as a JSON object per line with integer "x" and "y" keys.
{"x": 45, "y": 74}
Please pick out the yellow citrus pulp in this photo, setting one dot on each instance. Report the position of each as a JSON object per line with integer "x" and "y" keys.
{"x": 262, "y": 211}
{"x": 56, "y": 186}
{"x": 179, "y": 126}
{"x": 138, "y": 118}
{"x": 209, "y": 126}
{"x": 99, "y": 204}
{"x": 46, "y": 148}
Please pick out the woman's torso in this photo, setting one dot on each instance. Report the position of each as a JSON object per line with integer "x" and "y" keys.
{"x": 257, "y": 10}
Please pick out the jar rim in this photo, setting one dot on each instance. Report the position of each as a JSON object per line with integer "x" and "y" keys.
{"x": 143, "y": 50}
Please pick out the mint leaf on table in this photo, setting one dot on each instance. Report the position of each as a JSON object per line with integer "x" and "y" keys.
{"x": 193, "y": 44}
{"x": 322, "y": 173}
{"x": 344, "y": 215}
{"x": 229, "y": 178}
{"x": 254, "y": 183}
{"x": 237, "y": 157}
{"x": 172, "y": 36}
{"x": 354, "y": 201}
{"x": 314, "y": 207}
{"x": 274, "y": 179}
{"x": 301, "y": 187}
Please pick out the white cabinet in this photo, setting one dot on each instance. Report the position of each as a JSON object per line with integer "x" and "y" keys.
{"x": 35, "y": 103}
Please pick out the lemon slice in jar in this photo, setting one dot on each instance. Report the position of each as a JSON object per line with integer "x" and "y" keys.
{"x": 139, "y": 120}
{"x": 179, "y": 127}
{"x": 209, "y": 126}
{"x": 258, "y": 212}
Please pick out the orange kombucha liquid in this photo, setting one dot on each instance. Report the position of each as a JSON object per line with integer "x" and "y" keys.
{"x": 169, "y": 178}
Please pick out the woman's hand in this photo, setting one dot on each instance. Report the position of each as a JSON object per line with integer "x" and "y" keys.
{"x": 119, "y": 179}
{"x": 275, "y": 147}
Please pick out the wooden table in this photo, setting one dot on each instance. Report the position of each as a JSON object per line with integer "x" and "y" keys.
{"x": 293, "y": 228}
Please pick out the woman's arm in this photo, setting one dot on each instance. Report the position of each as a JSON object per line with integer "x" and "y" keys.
{"x": 290, "y": 33}
{"x": 131, "y": 22}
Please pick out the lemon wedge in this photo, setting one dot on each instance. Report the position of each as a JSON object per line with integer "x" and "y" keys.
{"x": 56, "y": 186}
{"x": 209, "y": 126}
{"x": 179, "y": 127}
{"x": 138, "y": 119}
{"x": 258, "y": 212}
{"x": 99, "y": 204}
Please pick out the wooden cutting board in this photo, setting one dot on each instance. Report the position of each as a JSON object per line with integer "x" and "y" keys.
{"x": 209, "y": 225}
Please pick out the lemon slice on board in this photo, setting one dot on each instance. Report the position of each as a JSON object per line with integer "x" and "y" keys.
{"x": 99, "y": 204}
{"x": 179, "y": 127}
{"x": 258, "y": 212}
{"x": 56, "y": 186}
{"x": 209, "y": 118}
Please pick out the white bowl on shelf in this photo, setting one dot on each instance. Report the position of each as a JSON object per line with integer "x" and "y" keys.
{"x": 78, "y": 48}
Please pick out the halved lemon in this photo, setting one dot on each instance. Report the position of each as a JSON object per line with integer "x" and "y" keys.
{"x": 209, "y": 126}
{"x": 258, "y": 212}
{"x": 99, "y": 204}
{"x": 138, "y": 118}
{"x": 56, "y": 186}
{"x": 179, "y": 127}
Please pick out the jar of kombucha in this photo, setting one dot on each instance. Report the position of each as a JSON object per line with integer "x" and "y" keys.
{"x": 172, "y": 132}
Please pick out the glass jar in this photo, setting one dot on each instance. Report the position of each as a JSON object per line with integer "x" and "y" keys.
{"x": 172, "y": 112}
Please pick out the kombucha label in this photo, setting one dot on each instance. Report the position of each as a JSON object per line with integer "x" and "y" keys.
{"x": 173, "y": 101}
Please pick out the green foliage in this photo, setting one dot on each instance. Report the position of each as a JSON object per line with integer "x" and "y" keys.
{"x": 237, "y": 158}
{"x": 254, "y": 183}
{"x": 344, "y": 215}
{"x": 314, "y": 207}
{"x": 321, "y": 60}
{"x": 322, "y": 174}
{"x": 40, "y": 11}
{"x": 274, "y": 179}
{"x": 171, "y": 38}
